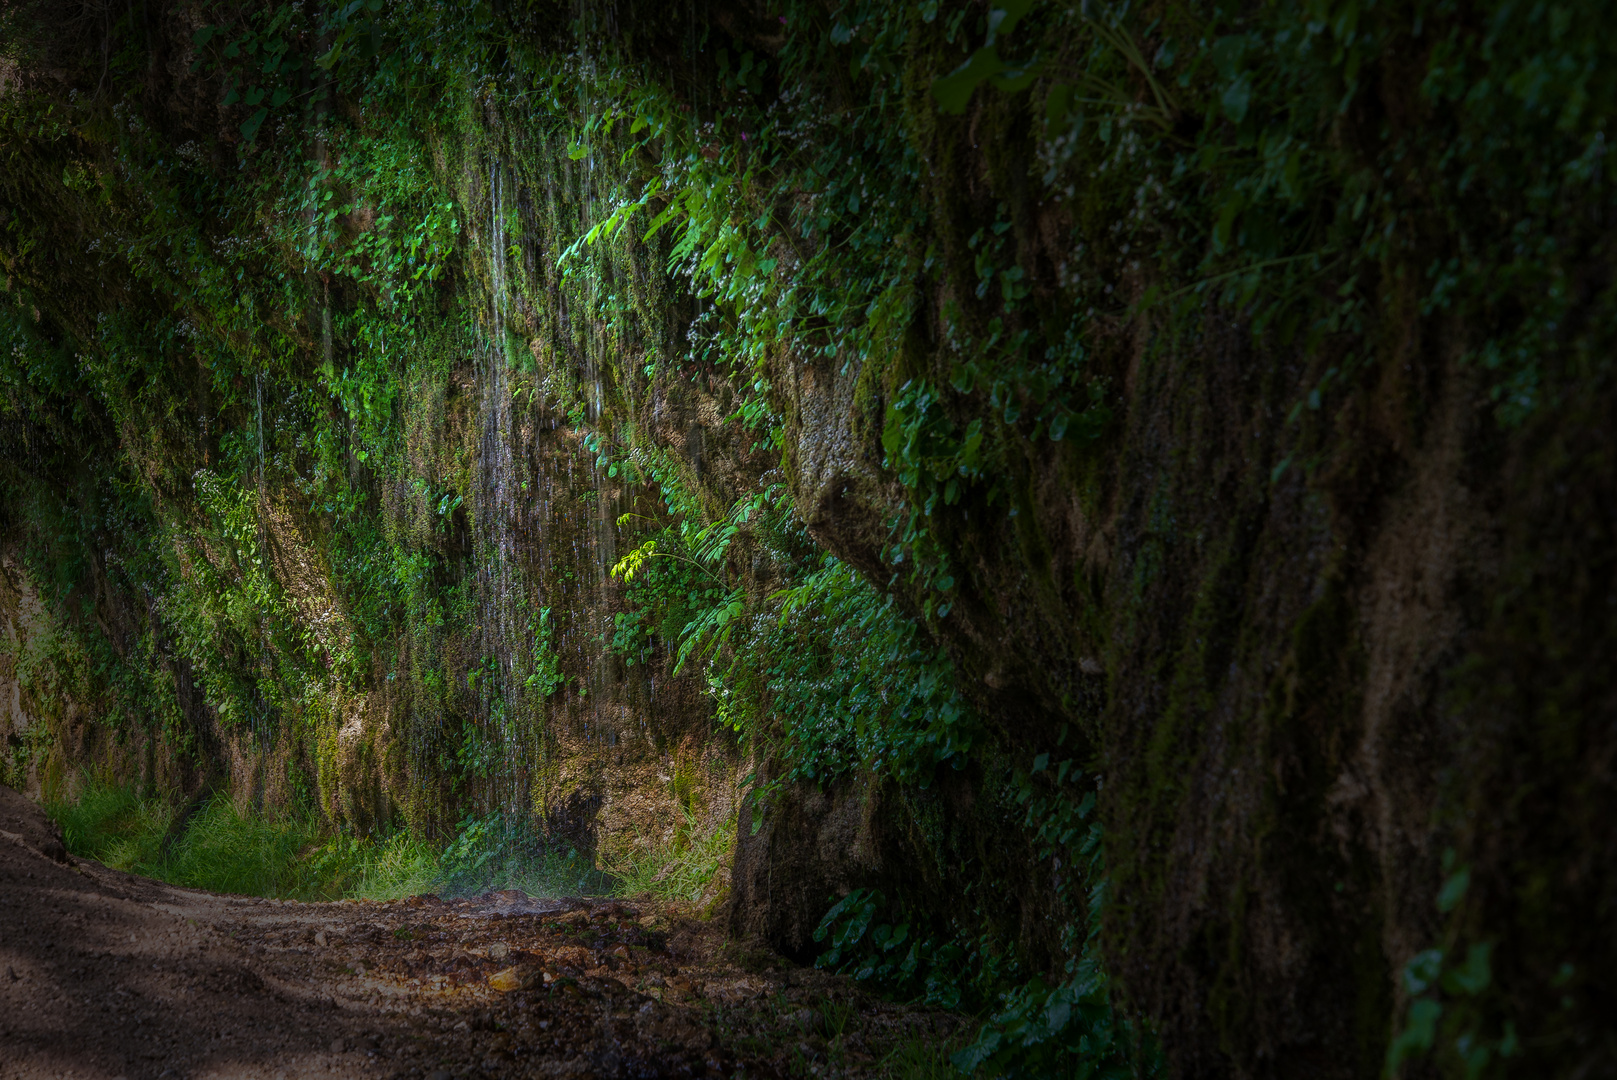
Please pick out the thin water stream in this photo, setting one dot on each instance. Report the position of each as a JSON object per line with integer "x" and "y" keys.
{"x": 544, "y": 535}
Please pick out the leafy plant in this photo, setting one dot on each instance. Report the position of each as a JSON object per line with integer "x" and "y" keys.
{"x": 1073, "y": 1028}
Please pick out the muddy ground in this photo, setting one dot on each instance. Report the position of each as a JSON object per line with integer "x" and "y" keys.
{"x": 103, "y": 974}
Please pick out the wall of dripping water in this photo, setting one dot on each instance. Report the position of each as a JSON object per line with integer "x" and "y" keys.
{"x": 544, "y": 541}
{"x": 503, "y": 595}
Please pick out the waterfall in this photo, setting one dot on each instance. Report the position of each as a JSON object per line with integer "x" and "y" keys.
{"x": 604, "y": 691}
{"x": 258, "y": 397}
{"x": 501, "y": 592}
{"x": 544, "y": 517}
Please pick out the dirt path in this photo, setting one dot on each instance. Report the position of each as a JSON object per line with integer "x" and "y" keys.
{"x": 103, "y": 974}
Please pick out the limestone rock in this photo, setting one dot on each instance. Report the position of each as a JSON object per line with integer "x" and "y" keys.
{"x": 518, "y": 977}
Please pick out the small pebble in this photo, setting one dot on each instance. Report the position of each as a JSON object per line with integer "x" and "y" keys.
{"x": 512, "y": 979}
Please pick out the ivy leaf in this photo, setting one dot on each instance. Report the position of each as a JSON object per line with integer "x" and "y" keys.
{"x": 1418, "y": 1036}
{"x": 986, "y": 1046}
{"x": 1237, "y": 98}
{"x": 1454, "y": 889}
{"x": 1013, "y": 79}
{"x": 1227, "y": 53}
{"x": 1422, "y": 970}
{"x": 250, "y": 127}
{"x": 953, "y": 90}
{"x": 1004, "y": 16}
{"x": 1057, "y": 106}
{"x": 1473, "y": 976}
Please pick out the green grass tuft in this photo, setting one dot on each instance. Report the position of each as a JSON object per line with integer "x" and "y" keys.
{"x": 297, "y": 857}
{"x": 682, "y": 869}
{"x": 223, "y": 851}
{"x": 921, "y": 1058}
{"x": 288, "y": 856}
{"x": 114, "y": 825}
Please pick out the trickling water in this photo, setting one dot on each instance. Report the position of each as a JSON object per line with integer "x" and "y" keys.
{"x": 258, "y": 395}
{"x": 501, "y": 589}
{"x": 259, "y": 724}
{"x": 594, "y": 348}
{"x": 543, "y": 511}
{"x": 496, "y": 187}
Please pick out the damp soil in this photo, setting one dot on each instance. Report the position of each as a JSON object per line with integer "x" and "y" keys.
{"x": 104, "y": 974}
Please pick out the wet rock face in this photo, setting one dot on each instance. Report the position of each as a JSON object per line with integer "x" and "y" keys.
{"x": 839, "y": 487}
{"x": 812, "y": 847}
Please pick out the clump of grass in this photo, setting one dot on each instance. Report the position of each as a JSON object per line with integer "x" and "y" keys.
{"x": 113, "y": 825}
{"x": 297, "y": 857}
{"x": 255, "y": 855}
{"x": 495, "y": 853}
{"x": 288, "y": 856}
{"x": 402, "y": 865}
{"x": 920, "y": 1058}
{"x": 554, "y": 873}
{"x": 683, "y": 868}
